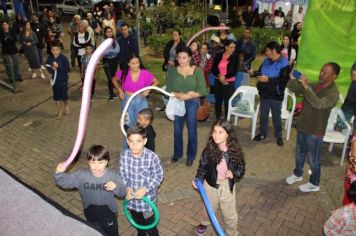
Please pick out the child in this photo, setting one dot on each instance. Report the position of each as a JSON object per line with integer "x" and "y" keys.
{"x": 97, "y": 186}
{"x": 350, "y": 175}
{"x": 142, "y": 173}
{"x": 85, "y": 61}
{"x": 58, "y": 62}
{"x": 194, "y": 47}
{"x": 221, "y": 166}
{"x": 145, "y": 118}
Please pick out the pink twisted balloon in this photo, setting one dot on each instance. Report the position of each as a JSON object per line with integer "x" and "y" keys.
{"x": 84, "y": 110}
{"x": 205, "y": 30}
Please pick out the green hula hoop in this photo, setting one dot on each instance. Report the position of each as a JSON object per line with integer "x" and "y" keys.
{"x": 131, "y": 220}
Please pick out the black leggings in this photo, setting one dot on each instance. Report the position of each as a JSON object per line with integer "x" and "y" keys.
{"x": 139, "y": 219}
{"x": 222, "y": 94}
{"x": 110, "y": 67}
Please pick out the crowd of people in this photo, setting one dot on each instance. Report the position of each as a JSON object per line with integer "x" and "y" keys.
{"x": 192, "y": 71}
{"x": 276, "y": 20}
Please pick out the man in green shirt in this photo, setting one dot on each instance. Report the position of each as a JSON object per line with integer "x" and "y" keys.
{"x": 319, "y": 99}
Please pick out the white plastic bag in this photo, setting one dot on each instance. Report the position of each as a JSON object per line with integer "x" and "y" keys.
{"x": 175, "y": 107}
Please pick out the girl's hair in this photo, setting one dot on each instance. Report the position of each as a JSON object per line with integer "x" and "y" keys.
{"x": 187, "y": 50}
{"x": 228, "y": 42}
{"x": 295, "y": 26}
{"x": 113, "y": 36}
{"x": 98, "y": 153}
{"x": 289, "y": 46}
{"x": 24, "y": 27}
{"x": 178, "y": 31}
{"x": 198, "y": 44}
{"x": 106, "y": 29}
{"x": 206, "y": 44}
{"x": 234, "y": 151}
{"x": 352, "y": 192}
{"x": 125, "y": 71}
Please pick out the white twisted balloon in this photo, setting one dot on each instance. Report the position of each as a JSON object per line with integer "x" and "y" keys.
{"x": 122, "y": 120}
{"x": 84, "y": 110}
{"x": 205, "y": 30}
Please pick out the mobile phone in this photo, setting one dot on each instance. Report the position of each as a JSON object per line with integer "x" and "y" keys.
{"x": 296, "y": 74}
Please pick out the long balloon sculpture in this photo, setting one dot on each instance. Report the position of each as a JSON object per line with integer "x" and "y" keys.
{"x": 84, "y": 110}
{"x": 122, "y": 120}
{"x": 208, "y": 207}
{"x": 205, "y": 30}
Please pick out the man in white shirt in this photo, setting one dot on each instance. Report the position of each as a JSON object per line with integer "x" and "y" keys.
{"x": 298, "y": 17}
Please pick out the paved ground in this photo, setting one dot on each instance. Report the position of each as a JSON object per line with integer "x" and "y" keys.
{"x": 33, "y": 141}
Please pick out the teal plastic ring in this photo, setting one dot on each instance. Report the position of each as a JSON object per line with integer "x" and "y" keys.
{"x": 132, "y": 221}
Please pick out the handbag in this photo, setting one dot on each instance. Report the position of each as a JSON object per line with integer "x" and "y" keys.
{"x": 204, "y": 109}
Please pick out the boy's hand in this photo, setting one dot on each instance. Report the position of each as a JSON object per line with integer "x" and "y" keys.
{"x": 130, "y": 194}
{"x": 140, "y": 193}
{"x": 60, "y": 168}
{"x": 55, "y": 65}
{"x": 110, "y": 186}
{"x": 228, "y": 174}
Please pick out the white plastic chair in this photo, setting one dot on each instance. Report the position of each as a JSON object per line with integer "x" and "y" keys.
{"x": 286, "y": 114}
{"x": 245, "y": 93}
{"x": 332, "y": 136}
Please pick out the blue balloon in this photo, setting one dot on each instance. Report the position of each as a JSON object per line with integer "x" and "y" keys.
{"x": 209, "y": 209}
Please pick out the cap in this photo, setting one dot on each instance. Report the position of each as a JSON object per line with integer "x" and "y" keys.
{"x": 215, "y": 38}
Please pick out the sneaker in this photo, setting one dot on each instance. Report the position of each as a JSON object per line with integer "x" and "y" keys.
{"x": 43, "y": 76}
{"x": 111, "y": 98}
{"x": 115, "y": 96}
{"x": 201, "y": 229}
{"x": 29, "y": 69}
{"x": 280, "y": 142}
{"x": 259, "y": 137}
{"x": 42, "y": 67}
{"x": 34, "y": 75}
{"x": 308, "y": 187}
{"x": 292, "y": 179}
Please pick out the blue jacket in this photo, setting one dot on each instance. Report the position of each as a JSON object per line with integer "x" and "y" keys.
{"x": 278, "y": 75}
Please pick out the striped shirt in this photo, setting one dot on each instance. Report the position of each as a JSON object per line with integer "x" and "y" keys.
{"x": 145, "y": 171}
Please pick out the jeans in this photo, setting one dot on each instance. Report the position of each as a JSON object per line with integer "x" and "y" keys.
{"x": 40, "y": 55}
{"x": 275, "y": 106}
{"x": 191, "y": 107}
{"x": 73, "y": 54}
{"x": 136, "y": 105}
{"x": 110, "y": 67}
{"x": 12, "y": 66}
{"x": 310, "y": 146}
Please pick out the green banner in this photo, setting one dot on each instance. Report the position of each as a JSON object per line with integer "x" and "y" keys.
{"x": 329, "y": 34}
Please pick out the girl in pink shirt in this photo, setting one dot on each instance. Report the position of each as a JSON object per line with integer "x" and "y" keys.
{"x": 130, "y": 80}
{"x": 221, "y": 166}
